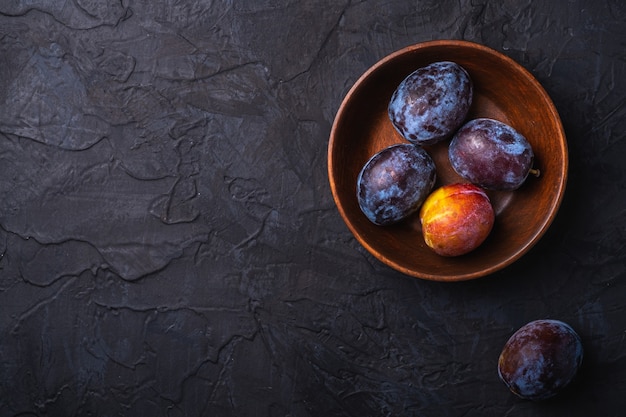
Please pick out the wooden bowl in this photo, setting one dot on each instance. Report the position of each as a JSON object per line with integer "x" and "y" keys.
{"x": 503, "y": 90}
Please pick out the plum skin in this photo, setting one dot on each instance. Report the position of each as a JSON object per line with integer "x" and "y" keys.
{"x": 491, "y": 154}
{"x": 456, "y": 219}
{"x": 431, "y": 103}
{"x": 540, "y": 359}
{"x": 394, "y": 183}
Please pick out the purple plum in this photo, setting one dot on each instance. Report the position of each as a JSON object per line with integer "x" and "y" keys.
{"x": 394, "y": 183}
{"x": 540, "y": 359}
{"x": 491, "y": 154}
{"x": 431, "y": 103}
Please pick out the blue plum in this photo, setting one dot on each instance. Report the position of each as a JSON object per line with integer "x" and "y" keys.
{"x": 431, "y": 103}
{"x": 540, "y": 359}
{"x": 491, "y": 154}
{"x": 394, "y": 183}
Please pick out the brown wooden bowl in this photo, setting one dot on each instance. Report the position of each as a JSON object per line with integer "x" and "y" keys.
{"x": 503, "y": 90}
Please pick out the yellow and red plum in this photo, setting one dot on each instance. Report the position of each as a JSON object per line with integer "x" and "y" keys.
{"x": 431, "y": 103}
{"x": 456, "y": 219}
{"x": 540, "y": 359}
{"x": 491, "y": 154}
{"x": 394, "y": 183}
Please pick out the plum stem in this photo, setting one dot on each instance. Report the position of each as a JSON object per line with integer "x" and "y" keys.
{"x": 535, "y": 172}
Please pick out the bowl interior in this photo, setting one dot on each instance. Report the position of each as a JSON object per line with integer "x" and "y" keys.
{"x": 503, "y": 90}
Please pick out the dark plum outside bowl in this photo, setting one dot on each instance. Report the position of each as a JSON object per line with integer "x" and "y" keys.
{"x": 503, "y": 90}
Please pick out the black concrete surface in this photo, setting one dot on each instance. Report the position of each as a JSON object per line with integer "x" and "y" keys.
{"x": 169, "y": 245}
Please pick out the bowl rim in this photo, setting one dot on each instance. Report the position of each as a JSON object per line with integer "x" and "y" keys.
{"x": 559, "y": 190}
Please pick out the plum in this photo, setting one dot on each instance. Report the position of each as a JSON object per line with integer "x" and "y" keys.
{"x": 491, "y": 154}
{"x": 394, "y": 183}
{"x": 540, "y": 359}
{"x": 456, "y": 219}
{"x": 431, "y": 103}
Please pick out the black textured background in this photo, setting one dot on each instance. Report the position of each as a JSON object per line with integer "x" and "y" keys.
{"x": 169, "y": 245}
